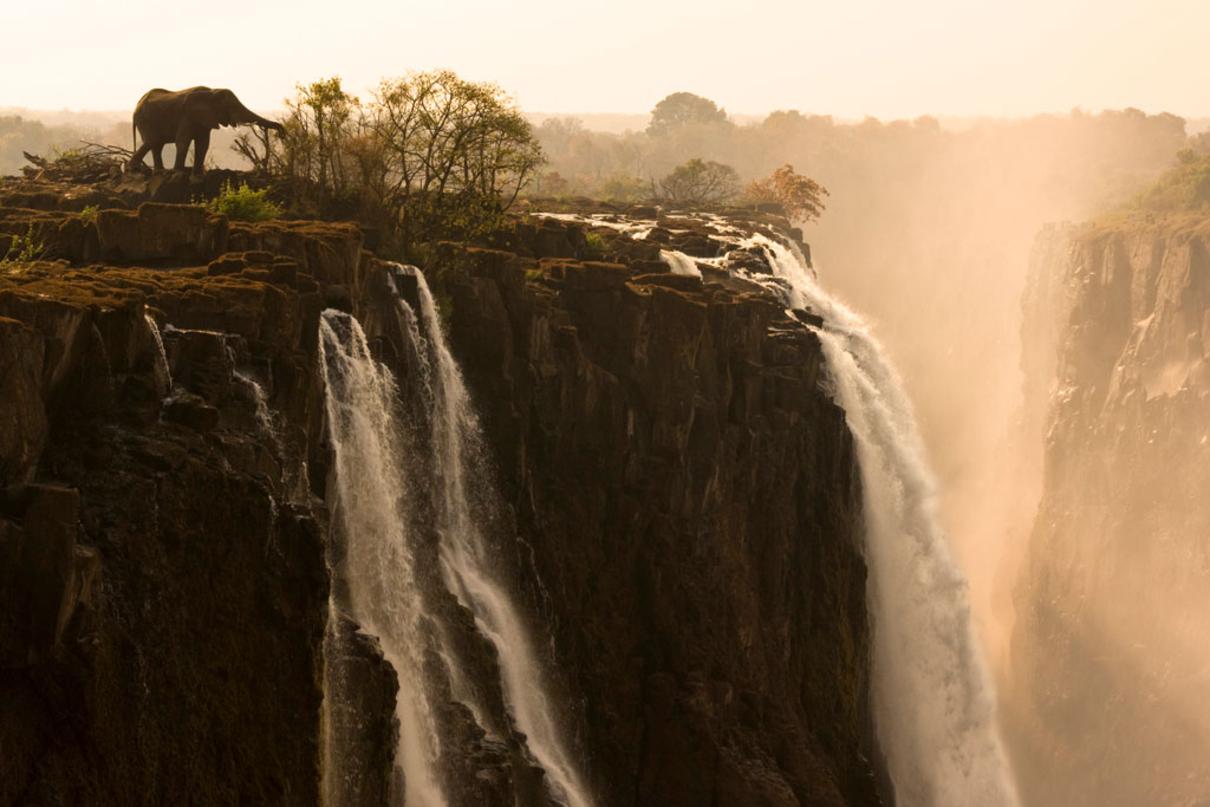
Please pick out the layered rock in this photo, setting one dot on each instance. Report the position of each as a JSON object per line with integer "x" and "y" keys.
{"x": 1108, "y": 677}
{"x": 681, "y": 517}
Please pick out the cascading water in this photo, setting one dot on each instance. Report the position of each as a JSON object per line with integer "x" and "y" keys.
{"x": 361, "y": 401}
{"x": 459, "y": 463}
{"x": 933, "y": 703}
{"x": 373, "y": 503}
{"x": 163, "y": 373}
{"x": 680, "y": 263}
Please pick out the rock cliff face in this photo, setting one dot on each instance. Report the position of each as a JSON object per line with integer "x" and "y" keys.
{"x": 1115, "y": 584}
{"x": 681, "y": 516}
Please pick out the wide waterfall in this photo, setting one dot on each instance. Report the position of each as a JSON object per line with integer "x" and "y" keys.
{"x": 379, "y": 566}
{"x": 933, "y": 704}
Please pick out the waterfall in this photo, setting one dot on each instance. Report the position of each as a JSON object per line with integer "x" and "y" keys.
{"x": 460, "y": 466}
{"x": 163, "y": 373}
{"x": 934, "y": 707}
{"x": 680, "y": 263}
{"x": 264, "y": 417}
{"x": 361, "y": 402}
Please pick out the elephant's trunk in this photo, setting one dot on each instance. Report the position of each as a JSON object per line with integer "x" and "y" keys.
{"x": 241, "y": 114}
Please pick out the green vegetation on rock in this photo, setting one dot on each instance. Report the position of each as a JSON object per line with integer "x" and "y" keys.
{"x": 1183, "y": 188}
{"x": 243, "y": 204}
{"x": 428, "y": 157}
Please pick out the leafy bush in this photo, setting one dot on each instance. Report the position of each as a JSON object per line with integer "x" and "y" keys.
{"x": 244, "y": 203}
{"x": 22, "y": 249}
{"x": 596, "y": 245}
{"x": 89, "y": 213}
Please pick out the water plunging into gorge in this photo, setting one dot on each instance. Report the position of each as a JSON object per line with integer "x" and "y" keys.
{"x": 379, "y": 564}
{"x": 459, "y": 460}
{"x": 399, "y": 452}
{"x": 933, "y": 702}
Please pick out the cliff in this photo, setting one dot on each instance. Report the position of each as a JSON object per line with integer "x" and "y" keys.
{"x": 681, "y": 515}
{"x": 1114, "y": 584}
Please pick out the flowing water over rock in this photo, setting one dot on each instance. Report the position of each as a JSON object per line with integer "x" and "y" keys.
{"x": 163, "y": 373}
{"x": 934, "y": 705}
{"x": 933, "y": 702}
{"x": 460, "y": 463}
{"x": 386, "y": 473}
{"x": 378, "y": 564}
{"x": 680, "y": 263}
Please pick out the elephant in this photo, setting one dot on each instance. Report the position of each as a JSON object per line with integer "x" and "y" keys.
{"x": 185, "y": 116}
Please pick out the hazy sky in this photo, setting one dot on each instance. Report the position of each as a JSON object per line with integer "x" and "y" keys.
{"x": 888, "y": 58}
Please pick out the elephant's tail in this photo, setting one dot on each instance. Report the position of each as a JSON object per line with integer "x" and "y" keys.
{"x": 134, "y": 138}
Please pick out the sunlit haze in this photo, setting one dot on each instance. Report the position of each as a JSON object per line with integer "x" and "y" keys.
{"x": 867, "y": 57}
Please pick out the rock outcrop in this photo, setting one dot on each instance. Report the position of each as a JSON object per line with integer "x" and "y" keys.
{"x": 681, "y": 516}
{"x": 1109, "y": 668}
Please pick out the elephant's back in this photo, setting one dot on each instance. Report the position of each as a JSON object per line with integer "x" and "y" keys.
{"x": 159, "y": 94}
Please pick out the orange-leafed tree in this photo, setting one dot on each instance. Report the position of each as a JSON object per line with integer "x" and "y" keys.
{"x": 801, "y": 196}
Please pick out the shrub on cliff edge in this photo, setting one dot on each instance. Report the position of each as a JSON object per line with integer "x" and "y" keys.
{"x": 244, "y": 204}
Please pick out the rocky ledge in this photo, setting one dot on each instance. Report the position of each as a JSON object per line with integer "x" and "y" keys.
{"x": 682, "y": 504}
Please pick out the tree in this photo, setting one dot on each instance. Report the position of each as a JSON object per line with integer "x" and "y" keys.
{"x": 684, "y": 109}
{"x": 802, "y": 197}
{"x": 700, "y": 182}
{"x": 430, "y": 156}
{"x": 321, "y": 120}
{"x": 455, "y": 153}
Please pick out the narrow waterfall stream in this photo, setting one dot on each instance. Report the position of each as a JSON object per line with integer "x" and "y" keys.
{"x": 379, "y": 564}
{"x": 934, "y": 706}
{"x": 460, "y": 462}
{"x": 163, "y": 373}
{"x": 374, "y": 501}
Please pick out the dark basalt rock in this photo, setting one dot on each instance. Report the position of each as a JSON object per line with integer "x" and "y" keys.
{"x": 682, "y": 512}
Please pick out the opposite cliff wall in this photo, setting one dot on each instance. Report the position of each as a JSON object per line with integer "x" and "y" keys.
{"x": 1109, "y": 681}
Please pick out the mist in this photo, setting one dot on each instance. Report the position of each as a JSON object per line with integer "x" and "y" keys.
{"x": 951, "y": 239}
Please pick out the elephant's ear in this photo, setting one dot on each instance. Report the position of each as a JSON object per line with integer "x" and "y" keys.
{"x": 204, "y": 110}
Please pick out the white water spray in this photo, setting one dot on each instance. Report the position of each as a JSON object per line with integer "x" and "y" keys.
{"x": 361, "y": 399}
{"x": 460, "y": 466}
{"x": 933, "y": 703}
{"x": 680, "y": 263}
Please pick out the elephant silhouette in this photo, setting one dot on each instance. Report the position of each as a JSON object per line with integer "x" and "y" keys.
{"x": 183, "y": 117}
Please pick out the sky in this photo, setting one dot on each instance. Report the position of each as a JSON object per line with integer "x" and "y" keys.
{"x": 849, "y": 58}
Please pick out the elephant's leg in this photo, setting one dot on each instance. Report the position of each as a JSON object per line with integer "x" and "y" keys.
{"x": 157, "y": 156}
{"x": 201, "y": 144}
{"x": 140, "y": 154}
{"x": 182, "y": 148}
